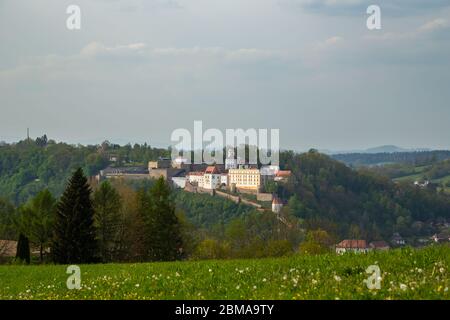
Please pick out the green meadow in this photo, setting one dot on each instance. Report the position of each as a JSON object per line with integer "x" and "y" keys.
{"x": 405, "y": 274}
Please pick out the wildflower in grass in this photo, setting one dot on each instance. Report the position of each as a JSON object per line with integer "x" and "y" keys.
{"x": 337, "y": 278}
{"x": 403, "y": 286}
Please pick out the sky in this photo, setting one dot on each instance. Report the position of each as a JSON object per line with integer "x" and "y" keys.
{"x": 139, "y": 69}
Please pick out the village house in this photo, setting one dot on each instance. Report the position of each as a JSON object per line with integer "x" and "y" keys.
{"x": 8, "y": 248}
{"x": 179, "y": 181}
{"x": 441, "y": 237}
{"x": 282, "y": 175}
{"x": 195, "y": 178}
{"x": 355, "y": 246}
{"x": 397, "y": 240}
{"x": 211, "y": 178}
{"x": 123, "y": 172}
{"x": 379, "y": 245}
{"x": 277, "y": 205}
{"x": 224, "y": 179}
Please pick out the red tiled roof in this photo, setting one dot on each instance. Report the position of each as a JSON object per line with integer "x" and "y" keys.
{"x": 283, "y": 173}
{"x": 276, "y": 200}
{"x": 352, "y": 244}
{"x": 195, "y": 173}
{"x": 379, "y": 244}
{"x": 211, "y": 170}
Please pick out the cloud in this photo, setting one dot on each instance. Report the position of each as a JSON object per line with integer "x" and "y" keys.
{"x": 143, "y": 51}
{"x": 350, "y": 7}
{"x": 333, "y": 41}
{"x": 427, "y": 29}
{"x": 99, "y": 49}
{"x": 137, "y": 5}
{"x": 100, "y": 58}
{"x": 436, "y": 24}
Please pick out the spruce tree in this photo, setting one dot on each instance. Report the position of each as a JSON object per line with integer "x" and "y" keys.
{"x": 74, "y": 234}
{"x": 163, "y": 235}
{"x": 107, "y": 220}
{"x": 23, "y": 249}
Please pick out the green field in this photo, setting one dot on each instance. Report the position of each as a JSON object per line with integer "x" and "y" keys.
{"x": 405, "y": 274}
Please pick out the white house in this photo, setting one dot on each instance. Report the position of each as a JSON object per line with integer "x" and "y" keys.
{"x": 355, "y": 246}
{"x": 179, "y": 182}
{"x": 195, "y": 177}
{"x": 224, "y": 179}
{"x": 277, "y": 205}
{"x": 211, "y": 178}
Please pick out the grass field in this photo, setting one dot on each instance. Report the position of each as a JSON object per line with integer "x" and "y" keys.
{"x": 405, "y": 274}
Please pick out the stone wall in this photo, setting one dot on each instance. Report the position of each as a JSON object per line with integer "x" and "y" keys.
{"x": 264, "y": 197}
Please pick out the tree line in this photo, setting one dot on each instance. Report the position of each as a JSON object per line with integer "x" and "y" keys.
{"x": 91, "y": 226}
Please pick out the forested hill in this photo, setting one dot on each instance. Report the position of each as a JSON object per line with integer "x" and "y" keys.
{"x": 29, "y": 166}
{"x": 414, "y": 158}
{"x": 358, "y": 203}
{"x": 323, "y": 193}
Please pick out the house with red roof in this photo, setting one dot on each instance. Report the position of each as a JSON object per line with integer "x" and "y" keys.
{"x": 351, "y": 245}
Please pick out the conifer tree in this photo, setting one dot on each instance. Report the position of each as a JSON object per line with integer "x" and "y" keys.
{"x": 23, "y": 249}
{"x": 107, "y": 220}
{"x": 74, "y": 234}
{"x": 162, "y": 228}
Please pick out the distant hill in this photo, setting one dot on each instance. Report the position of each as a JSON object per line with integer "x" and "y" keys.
{"x": 379, "y": 149}
{"x": 386, "y": 149}
{"x": 412, "y": 157}
{"x": 322, "y": 192}
{"x": 325, "y": 192}
{"x": 28, "y": 166}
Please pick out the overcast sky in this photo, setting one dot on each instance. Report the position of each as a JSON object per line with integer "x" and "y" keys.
{"x": 138, "y": 69}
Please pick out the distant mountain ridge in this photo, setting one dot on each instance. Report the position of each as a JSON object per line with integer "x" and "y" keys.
{"x": 393, "y": 149}
{"x": 379, "y": 149}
